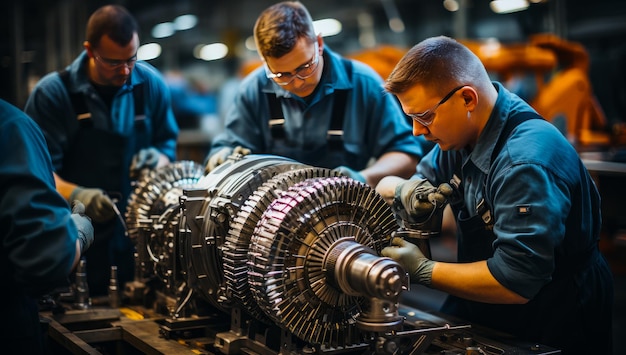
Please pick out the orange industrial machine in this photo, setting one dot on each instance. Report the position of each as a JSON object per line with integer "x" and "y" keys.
{"x": 563, "y": 93}
{"x": 382, "y": 58}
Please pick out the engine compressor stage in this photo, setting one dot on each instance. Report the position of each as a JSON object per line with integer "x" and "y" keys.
{"x": 265, "y": 255}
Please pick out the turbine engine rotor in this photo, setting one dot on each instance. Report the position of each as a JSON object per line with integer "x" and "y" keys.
{"x": 289, "y": 244}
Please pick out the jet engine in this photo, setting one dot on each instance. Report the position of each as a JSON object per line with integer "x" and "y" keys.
{"x": 266, "y": 255}
{"x": 279, "y": 243}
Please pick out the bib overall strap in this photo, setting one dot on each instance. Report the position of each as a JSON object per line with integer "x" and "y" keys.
{"x": 334, "y": 135}
{"x": 79, "y": 103}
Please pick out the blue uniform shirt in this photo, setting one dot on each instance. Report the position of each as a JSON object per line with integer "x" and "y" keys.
{"x": 33, "y": 216}
{"x": 545, "y": 205}
{"x": 373, "y": 124}
{"x": 38, "y": 235}
{"x": 97, "y": 152}
{"x": 49, "y": 105}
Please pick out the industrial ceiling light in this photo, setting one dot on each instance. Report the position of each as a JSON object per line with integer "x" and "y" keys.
{"x": 213, "y": 51}
{"x": 163, "y": 30}
{"x": 149, "y": 51}
{"x": 508, "y": 6}
{"x": 327, "y": 27}
{"x": 185, "y": 22}
{"x": 393, "y": 15}
{"x": 451, "y": 5}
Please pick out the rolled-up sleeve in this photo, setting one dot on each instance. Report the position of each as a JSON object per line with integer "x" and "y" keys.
{"x": 530, "y": 209}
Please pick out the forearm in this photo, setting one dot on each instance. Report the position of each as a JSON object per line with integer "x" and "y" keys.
{"x": 64, "y": 187}
{"x": 391, "y": 163}
{"x": 472, "y": 281}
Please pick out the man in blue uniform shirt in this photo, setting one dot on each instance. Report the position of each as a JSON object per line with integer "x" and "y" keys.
{"x": 527, "y": 209}
{"x": 41, "y": 240}
{"x": 309, "y": 104}
{"x": 105, "y": 117}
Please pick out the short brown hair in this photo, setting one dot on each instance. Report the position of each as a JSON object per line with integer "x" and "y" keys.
{"x": 114, "y": 21}
{"x": 438, "y": 62}
{"x": 280, "y": 26}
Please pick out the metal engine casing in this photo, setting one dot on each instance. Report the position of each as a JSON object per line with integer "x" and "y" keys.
{"x": 275, "y": 245}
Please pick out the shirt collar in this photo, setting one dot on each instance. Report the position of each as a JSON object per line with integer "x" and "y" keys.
{"x": 481, "y": 154}
{"x": 333, "y": 78}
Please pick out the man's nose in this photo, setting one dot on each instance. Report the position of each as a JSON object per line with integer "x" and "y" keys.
{"x": 297, "y": 82}
{"x": 419, "y": 129}
{"x": 125, "y": 71}
{"x": 125, "y": 68}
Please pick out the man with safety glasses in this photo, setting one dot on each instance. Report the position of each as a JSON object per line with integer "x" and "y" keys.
{"x": 527, "y": 209}
{"x": 106, "y": 118}
{"x": 310, "y": 104}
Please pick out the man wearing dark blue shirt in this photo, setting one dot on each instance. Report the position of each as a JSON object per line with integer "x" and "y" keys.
{"x": 106, "y": 117}
{"x": 527, "y": 209}
{"x": 41, "y": 240}
{"x": 310, "y": 104}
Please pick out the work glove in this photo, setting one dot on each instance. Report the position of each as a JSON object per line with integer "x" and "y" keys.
{"x": 221, "y": 155}
{"x": 83, "y": 226}
{"x": 417, "y": 198}
{"x": 355, "y": 175}
{"x": 147, "y": 158}
{"x": 98, "y": 206}
{"x": 412, "y": 259}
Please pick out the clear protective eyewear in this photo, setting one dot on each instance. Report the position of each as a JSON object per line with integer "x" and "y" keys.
{"x": 427, "y": 117}
{"x": 303, "y": 72}
{"x": 116, "y": 63}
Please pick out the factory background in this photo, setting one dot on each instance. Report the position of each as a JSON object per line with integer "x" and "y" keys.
{"x": 39, "y": 36}
{"x": 45, "y": 35}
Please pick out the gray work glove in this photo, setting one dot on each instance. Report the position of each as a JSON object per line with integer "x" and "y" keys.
{"x": 98, "y": 206}
{"x": 353, "y": 174}
{"x": 83, "y": 226}
{"x": 221, "y": 155}
{"x": 418, "y": 198}
{"x": 147, "y": 158}
{"x": 412, "y": 259}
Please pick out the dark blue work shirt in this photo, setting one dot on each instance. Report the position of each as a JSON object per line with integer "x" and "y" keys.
{"x": 373, "y": 124}
{"x": 49, "y": 105}
{"x": 546, "y": 212}
{"x": 38, "y": 235}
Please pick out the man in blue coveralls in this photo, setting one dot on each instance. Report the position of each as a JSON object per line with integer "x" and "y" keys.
{"x": 310, "y": 104}
{"x": 106, "y": 117}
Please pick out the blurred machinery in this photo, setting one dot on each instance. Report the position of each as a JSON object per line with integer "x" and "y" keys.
{"x": 381, "y": 58}
{"x": 265, "y": 255}
{"x": 560, "y": 89}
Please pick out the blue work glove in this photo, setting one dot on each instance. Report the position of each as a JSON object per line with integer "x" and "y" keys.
{"x": 147, "y": 158}
{"x": 221, "y": 155}
{"x": 412, "y": 259}
{"x": 98, "y": 206}
{"x": 353, "y": 174}
{"x": 83, "y": 226}
{"x": 418, "y": 198}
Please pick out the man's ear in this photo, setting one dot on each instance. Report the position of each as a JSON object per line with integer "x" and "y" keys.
{"x": 88, "y": 48}
{"x": 470, "y": 97}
